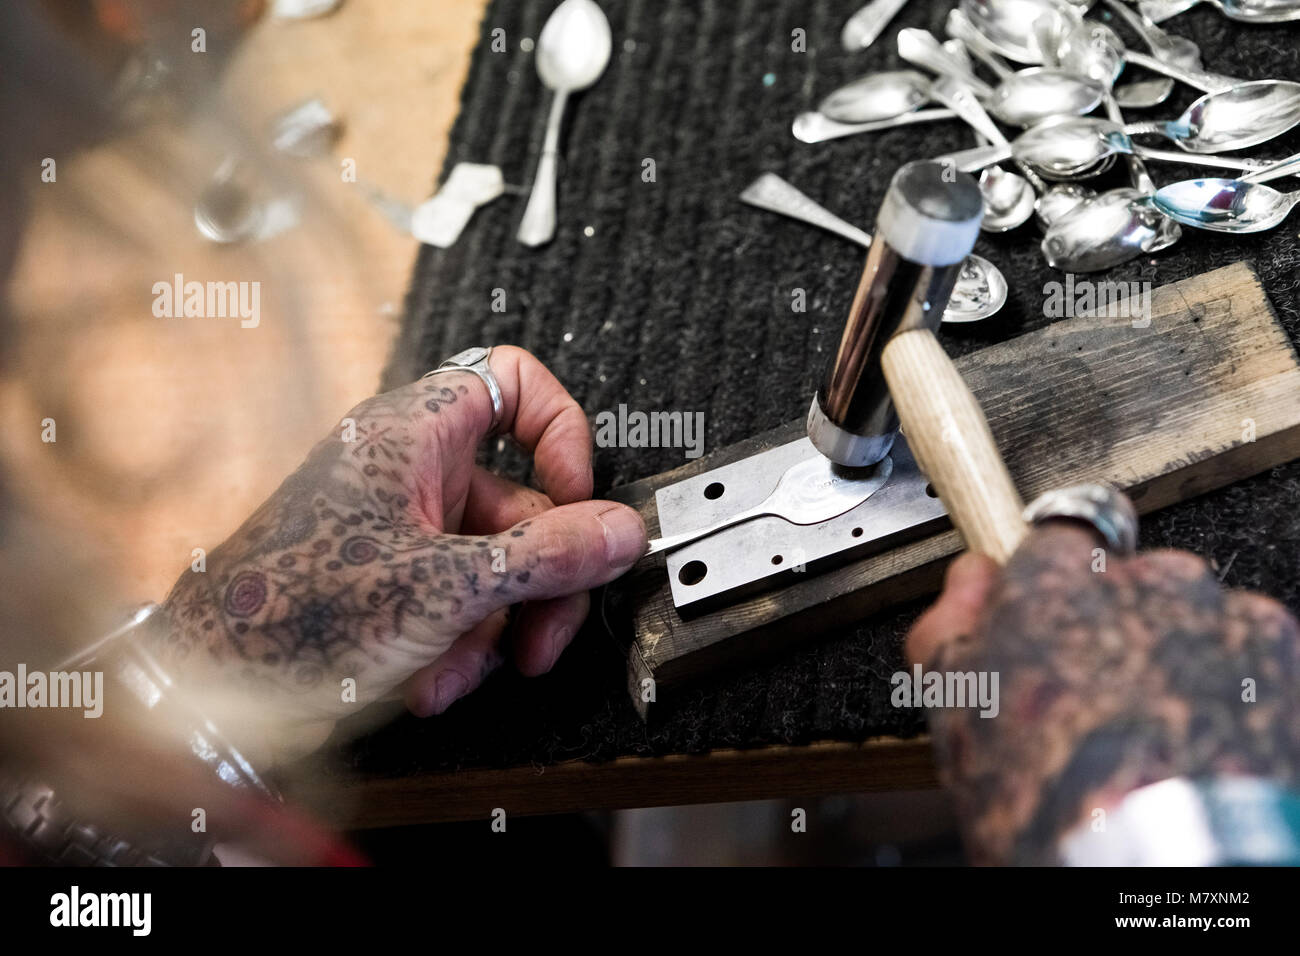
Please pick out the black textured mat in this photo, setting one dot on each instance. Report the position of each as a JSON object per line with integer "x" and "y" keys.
{"x": 680, "y": 300}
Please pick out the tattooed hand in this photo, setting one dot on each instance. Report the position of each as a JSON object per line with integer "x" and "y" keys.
{"x": 390, "y": 560}
{"x": 1109, "y": 680}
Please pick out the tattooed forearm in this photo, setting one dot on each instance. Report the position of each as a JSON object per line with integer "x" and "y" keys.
{"x": 1110, "y": 680}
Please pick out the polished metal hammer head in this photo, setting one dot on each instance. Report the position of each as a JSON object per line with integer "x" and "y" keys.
{"x": 927, "y": 225}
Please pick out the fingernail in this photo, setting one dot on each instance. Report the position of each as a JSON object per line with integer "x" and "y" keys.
{"x": 625, "y": 539}
{"x": 449, "y": 688}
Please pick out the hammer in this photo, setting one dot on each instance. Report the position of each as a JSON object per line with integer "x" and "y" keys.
{"x": 890, "y": 372}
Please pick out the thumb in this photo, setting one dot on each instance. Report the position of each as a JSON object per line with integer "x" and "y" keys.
{"x": 564, "y": 551}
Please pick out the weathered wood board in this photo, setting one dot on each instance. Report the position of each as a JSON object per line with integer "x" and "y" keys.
{"x": 1206, "y": 393}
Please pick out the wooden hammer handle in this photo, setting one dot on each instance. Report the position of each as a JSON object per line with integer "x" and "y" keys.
{"x": 950, "y": 438}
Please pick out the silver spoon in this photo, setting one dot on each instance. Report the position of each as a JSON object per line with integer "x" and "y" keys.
{"x": 1053, "y": 201}
{"x": 1095, "y": 50}
{"x": 1142, "y": 94}
{"x": 1009, "y": 25}
{"x": 816, "y": 128}
{"x": 861, "y": 29}
{"x": 1289, "y": 166}
{"x": 1199, "y": 79}
{"x": 572, "y": 51}
{"x": 1245, "y": 115}
{"x": 1179, "y": 69}
{"x": 981, "y": 288}
{"x": 1249, "y": 11}
{"x": 1165, "y": 46}
{"x": 1023, "y": 98}
{"x": 876, "y": 97}
{"x": 960, "y": 28}
{"x": 810, "y": 492}
{"x": 1072, "y": 147}
{"x": 1105, "y": 231}
{"x": 1059, "y": 199}
{"x": 1112, "y": 228}
{"x": 1008, "y": 198}
{"x": 957, "y": 50}
{"x": 1225, "y": 205}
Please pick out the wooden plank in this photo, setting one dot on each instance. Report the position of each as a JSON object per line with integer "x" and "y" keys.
{"x": 1165, "y": 411}
{"x": 823, "y": 767}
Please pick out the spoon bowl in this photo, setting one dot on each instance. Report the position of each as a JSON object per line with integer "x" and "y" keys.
{"x": 876, "y": 97}
{"x": 1144, "y": 94}
{"x": 1108, "y": 230}
{"x": 574, "y": 46}
{"x": 1065, "y": 149}
{"x": 981, "y": 290}
{"x": 1009, "y": 25}
{"x": 1057, "y": 201}
{"x": 1020, "y": 99}
{"x": 1225, "y": 205}
{"x": 1246, "y": 11}
{"x": 1243, "y": 116}
{"x": 1030, "y": 96}
{"x": 810, "y": 492}
{"x": 1008, "y": 199}
{"x": 1093, "y": 50}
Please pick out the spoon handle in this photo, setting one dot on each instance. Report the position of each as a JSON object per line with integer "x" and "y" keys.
{"x": 816, "y": 128}
{"x": 538, "y": 225}
{"x": 1283, "y": 167}
{"x": 955, "y": 94}
{"x": 861, "y": 29}
{"x": 774, "y": 194}
{"x": 1158, "y": 11}
{"x": 1154, "y": 127}
{"x": 920, "y": 48}
{"x": 973, "y": 160}
{"x": 1200, "y": 79}
{"x": 1199, "y": 159}
{"x": 960, "y": 28}
{"x": 1140, "y": 23}
{"x": 1137, "y": 169}
{"x": 675, "y": 541}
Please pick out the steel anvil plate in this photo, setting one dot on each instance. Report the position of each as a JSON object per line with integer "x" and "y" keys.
{"x": 768, "y": 551}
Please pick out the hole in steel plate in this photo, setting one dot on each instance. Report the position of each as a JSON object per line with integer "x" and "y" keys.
{"x": 777, "y": 559}
{"x": 929, "y": 490}
{"x": 857, "y": 532}
{"x": 692, "y": 572}
{"x": 714, "y": 490}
